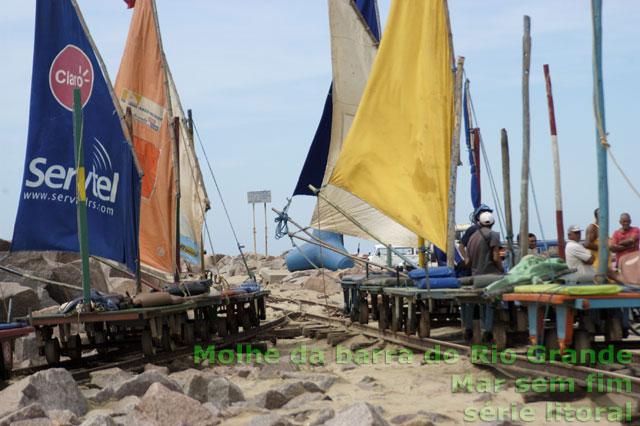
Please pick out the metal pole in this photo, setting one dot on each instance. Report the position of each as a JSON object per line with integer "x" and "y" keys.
{"x": 253, "y": 206}
{"x": 266, "y": 251}
{"x": 524, "y": 185}
{"x": 506, "y": 178}
{"x": 453, "y": 166}
{"x": 556, "y": 163}
{"x": 598, "y": 93}
{"x": 81, "y": 196}
{"x": 128, "y": 119}
{"x": 176, "y": 137}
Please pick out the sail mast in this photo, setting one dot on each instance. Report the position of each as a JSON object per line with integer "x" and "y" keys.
{"x": 556, "y": 163}
{"x": 524, "y": 184}
{"x": 598, "y": 104}
{"x": 174, "y": 145}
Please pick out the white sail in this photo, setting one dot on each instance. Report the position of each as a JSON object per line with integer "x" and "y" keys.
{"x": 193, "y": 195}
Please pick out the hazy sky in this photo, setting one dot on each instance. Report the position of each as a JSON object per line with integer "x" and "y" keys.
{"x": 256, "y": 74}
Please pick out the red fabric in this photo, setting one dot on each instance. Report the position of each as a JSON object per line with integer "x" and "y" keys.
{"x": 130, "y": 3}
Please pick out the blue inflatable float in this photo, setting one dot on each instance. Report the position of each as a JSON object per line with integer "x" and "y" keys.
{"x": 322, "y": 257}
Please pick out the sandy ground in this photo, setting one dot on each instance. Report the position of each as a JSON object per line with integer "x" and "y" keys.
{"x": 411, "y": 386}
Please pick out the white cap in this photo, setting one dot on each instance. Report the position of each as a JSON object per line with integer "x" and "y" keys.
{"x": 486, "y": 219}
{"x": 574, "y": 228}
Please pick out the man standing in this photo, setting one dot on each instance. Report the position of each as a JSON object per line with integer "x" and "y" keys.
{"x": 625, "y": 240}
{"x": 591, "y": 239}
{"x": 484, "y": 247}
{"x": 579, "y": 257}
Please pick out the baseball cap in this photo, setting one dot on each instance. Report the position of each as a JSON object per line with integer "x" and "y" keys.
{"x": 574, "y": 228}
{"x": 481, "y": 208}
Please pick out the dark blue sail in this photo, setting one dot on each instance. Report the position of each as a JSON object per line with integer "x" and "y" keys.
{"x": 63, "y": 60}
{"x": 316, "y": 161}
{"x": 475, "y": 187}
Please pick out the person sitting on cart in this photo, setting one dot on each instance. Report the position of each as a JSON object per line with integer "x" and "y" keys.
{"x": 578, "y": 257}
{"x": 484, "y": 247}
{"x": 625, "y": 239}
{"x": 464, "y": 241}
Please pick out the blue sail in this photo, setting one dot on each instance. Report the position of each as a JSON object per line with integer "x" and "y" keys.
{"x": 63, "y": 60}
{"x": 316, "y": 161}
{"x": 475, "y": 187}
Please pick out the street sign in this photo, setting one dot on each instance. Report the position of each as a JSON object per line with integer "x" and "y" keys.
{"x": 259, "y": 197}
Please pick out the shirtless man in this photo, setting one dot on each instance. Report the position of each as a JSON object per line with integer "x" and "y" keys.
{"x": 591, "y": 239}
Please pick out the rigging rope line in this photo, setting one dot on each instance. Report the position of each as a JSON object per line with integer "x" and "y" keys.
{"x": 226, "y": 212}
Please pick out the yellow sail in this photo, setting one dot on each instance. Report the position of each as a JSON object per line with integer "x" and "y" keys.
{"x": 392, "y": 174}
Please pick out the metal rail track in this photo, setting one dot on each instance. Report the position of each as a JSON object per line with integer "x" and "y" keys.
{"x": 517, "y": 363}
{"x": 135, "y": 359}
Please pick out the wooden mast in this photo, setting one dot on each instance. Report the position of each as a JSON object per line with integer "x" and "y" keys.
{"x": 524, "y": 185}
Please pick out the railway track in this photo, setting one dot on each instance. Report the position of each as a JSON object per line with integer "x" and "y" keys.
{"x": 132, "y": 358}
{"x": 519, "y": 364}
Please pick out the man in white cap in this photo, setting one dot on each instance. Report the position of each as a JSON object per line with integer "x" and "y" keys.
{"x": 579, "y": 257}
{"x": 484, "y": 248}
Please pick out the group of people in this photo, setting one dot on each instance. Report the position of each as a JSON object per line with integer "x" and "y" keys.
{"x": 480, "y": 246}
{"x": 585, "y": 257}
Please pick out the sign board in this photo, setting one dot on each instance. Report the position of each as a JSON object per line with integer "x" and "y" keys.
{"x": 259, "y": 197}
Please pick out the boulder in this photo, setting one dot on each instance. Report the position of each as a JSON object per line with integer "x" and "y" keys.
{"x": 293, "y": 389}
{"x": 26, "y": 349}
{"x": 161, "y": 406}
{"x": 53, "y": 389}
{"x": 215, "y": 389}
{"x": 112, "y": 377}
{"x": 23, "y": 299}
{"x": 40, "y": 421}
{"x": 322, "y": 285}
{"x": 63, "y": 417}
{"x": 5, "y": 245}
{"x": 358, "y": 414}
{"x": 324, "y": 415}
{"x": 99, "y": 420}
{"x": 139, "y": 384}
{"x": 270, "y": 276}
{"x": 271, "y": 400}
{"x": 121, "y": 285}
{"x": 273, "y": 419}
{"x": 31, "y": 411}
{"x": 71, "y": 273}
{"x": 303, "y": 399}
{"x": 324, "y": 382}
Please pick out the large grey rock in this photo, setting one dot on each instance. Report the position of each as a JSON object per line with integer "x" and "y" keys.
{"x": 215, "y": 389}
{"x": 63, "y": 417}
{"x": 273, "y": 419}
{"x": 271, "y": 400}
{"x": 23, "y": 299}
{"x": 121, "y": 285}
{"x": 100, "y": 420}
{"x": 293, "y": 389}
{"x": 139, "y": 384}
{"x": 322, "y": 285}
{"x": 324, "y": 415}
{"x": 31, "y": 411}
{"x": 53, "y": 389}
{"x": 112, "y": 377}
{"x": 324, "y": 382}
{"x": 358, "y": 414}
{"x": 26, "y": 349}
{"x": 303, "y": 399}
{"x": 71, "y": 273}
{"x": 40, "y": 421}
{"x": 162, "y": 407}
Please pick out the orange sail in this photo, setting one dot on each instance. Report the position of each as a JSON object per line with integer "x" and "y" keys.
{"x": 140, "y": 86}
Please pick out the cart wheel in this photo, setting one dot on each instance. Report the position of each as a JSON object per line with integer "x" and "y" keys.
{"x": 551, "y": 339}
{"x": 52, "y": 351}
{"x": 74, "y": 347}
{"x": 147, "y": 343}
{"x": 476, "y": 333}
{"x": 245, "y": 319}
{"x": 425, "y": 323}
{"x": 522, "y": 320}
{"x": 364, "y": 312}
{"x": 189, "y": 334}
{"x": 613, "y": 329}
{"x": 581, "y": 344}
{"x": 499, "y": 333}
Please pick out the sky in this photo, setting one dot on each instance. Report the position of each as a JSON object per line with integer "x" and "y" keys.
{"x": 256, "y": 73}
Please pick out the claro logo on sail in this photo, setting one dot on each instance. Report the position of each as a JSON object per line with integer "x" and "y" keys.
{"x": 71, "y": 69}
